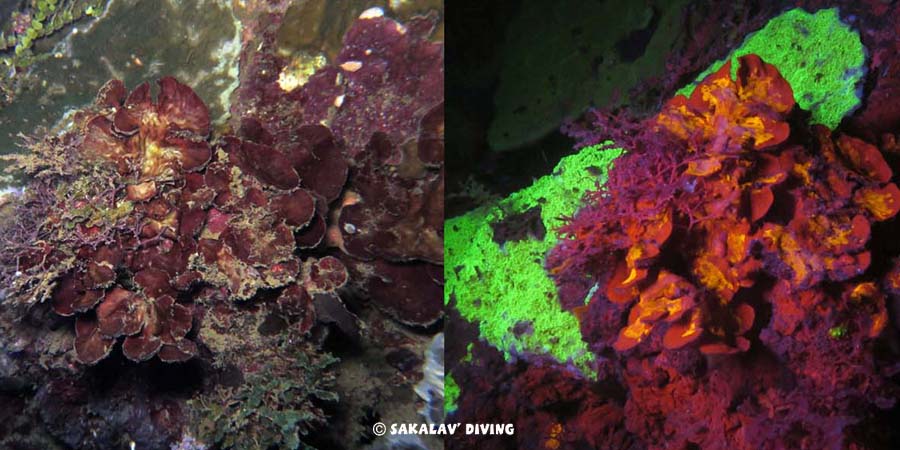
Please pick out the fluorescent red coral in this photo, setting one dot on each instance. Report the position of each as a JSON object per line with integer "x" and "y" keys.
{"x": 722, "y": 114}
{"x": 742, "y": 204}
{"x": 733, "y": 228}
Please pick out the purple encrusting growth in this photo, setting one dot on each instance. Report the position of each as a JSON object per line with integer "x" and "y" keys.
{"x": 229, "y": 264}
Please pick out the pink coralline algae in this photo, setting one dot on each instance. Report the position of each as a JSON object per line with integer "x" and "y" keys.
{"x": 734, "y": 228}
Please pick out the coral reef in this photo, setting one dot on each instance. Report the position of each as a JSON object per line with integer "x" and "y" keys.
{"x": 148, "y": 226}
{"x": 633, "y": 225}
{"x": 733, "y": 276}
{"x": 758, "y": 235}
{"x": 234, "y": 263}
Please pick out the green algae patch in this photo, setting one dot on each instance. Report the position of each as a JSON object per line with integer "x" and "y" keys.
{"x": 451, "y": 394}
{"x": 504, "y": 287}
{"x": 820, "y": 56}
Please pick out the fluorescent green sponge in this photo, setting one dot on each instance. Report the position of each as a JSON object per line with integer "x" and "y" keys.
{"x": 500, "y": 287}
{"x": 451, "y": 394}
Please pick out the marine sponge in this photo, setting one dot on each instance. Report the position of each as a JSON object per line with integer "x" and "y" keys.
{"x": 495, "y": 276}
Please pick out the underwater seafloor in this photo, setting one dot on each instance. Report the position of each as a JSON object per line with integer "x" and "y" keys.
{"x": 221, "y": 223}
{"x": 674, "y": 224}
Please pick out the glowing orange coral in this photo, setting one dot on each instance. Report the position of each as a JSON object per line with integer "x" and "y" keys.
{"x": 865, "y": 158}
{"x": 881, "y": 202}
{"x": 717, "y": 120}
{"x": 737, "y": 206}
{"x": 666, "y": 299}
{"x": 727, "y": 113}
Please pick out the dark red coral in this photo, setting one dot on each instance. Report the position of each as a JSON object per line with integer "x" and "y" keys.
{"x": 366, "y": 136}
{"x": 286, "y": 208}
{"x": 158, "y": 140}
{"x": 226, "y": 220}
